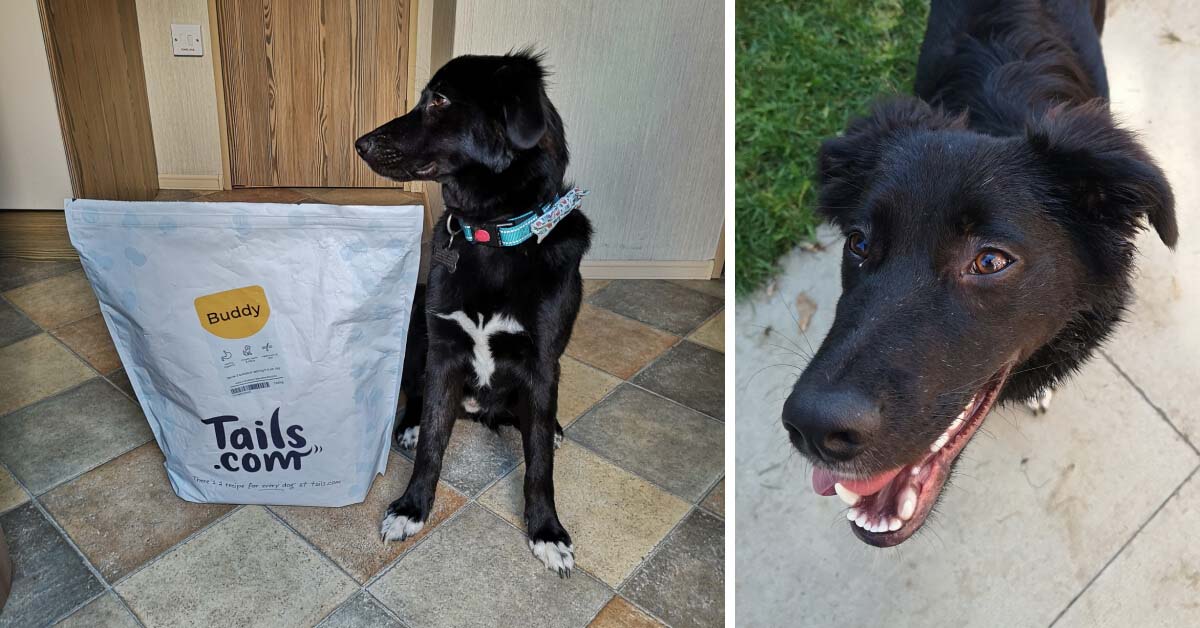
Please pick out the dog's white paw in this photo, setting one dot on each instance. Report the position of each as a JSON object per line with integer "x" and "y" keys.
{"x": 408, "y": 440}
{"x": 557, "y": 557}
{"x": 398, "y": 528}
{"x": 1041, "y": 402}
{"x": 558, "y": 440}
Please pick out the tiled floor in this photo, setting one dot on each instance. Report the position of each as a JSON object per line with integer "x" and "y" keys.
{"x": 99, "y": 538}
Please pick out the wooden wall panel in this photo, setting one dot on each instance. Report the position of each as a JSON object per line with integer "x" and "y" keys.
{"x": 96, "y": 62}
{"x": 305, "y": 78}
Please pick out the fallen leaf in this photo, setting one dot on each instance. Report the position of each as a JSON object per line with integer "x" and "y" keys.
{"x": 805, "y": 308}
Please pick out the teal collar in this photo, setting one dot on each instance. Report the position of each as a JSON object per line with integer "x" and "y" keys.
{"x": 514, "y": 231}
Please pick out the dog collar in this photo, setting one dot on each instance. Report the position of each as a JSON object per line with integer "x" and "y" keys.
{"x": 514, "y": 231}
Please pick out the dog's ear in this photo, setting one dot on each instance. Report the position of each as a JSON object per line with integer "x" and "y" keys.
{"x": 1106, "y": 174}
{"x": 845, "y": 163}
{"x": 520, "y": 83}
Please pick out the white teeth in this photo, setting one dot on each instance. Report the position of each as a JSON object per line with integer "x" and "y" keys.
{"x": 852, "y": 514}
{"x": 940, "y": 442}
{"x": 906, "y": 503}
{"x": 916, "y": 471}
{"x": 861, "y": 520}
{"x": 955, "y": 424}
{"x": 960, "y": 416}
{"x": 850, "y": 497}
{"x": 894, "y": 524}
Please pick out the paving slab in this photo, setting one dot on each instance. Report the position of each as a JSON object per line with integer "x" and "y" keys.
{"x": 1152, "y": 50}
{"x": 1162, "y": 565}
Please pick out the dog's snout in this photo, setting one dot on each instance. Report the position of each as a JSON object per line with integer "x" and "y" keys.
{"x": 364, "y": 145}
{"x": 833, "y": 426}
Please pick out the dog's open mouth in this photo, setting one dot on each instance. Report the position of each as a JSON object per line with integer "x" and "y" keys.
{"x": 889, "y": 507}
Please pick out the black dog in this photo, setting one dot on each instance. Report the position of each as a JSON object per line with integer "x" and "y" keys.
{"x": 499, "y": 313}
{"x": 990, "y": 229}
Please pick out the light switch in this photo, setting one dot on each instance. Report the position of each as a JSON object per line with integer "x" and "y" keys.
{"x": 185, "y": 40}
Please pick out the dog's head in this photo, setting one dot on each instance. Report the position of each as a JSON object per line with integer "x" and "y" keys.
{"x": 975, "y": 269}
{"x": 477, "y": 115}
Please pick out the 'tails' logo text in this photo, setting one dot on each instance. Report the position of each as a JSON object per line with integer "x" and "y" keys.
{"x": 259, "y": 448}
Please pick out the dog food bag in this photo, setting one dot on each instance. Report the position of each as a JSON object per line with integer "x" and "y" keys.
{"x": 264, "y": 341}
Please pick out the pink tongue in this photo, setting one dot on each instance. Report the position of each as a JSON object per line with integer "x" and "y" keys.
{"x": 823, "y": 481}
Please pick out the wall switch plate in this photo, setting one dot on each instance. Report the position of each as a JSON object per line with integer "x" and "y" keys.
{"x": 185, "y": 40}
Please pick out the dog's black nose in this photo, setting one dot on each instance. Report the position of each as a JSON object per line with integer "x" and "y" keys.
{"x": 364, "y": 144}
{"x": 831, "y": 425}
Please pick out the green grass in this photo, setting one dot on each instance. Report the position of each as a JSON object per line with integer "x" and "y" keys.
{"x": 804, "y": 67}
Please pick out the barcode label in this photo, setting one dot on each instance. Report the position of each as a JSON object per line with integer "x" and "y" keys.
{"x": 248, "y": 387}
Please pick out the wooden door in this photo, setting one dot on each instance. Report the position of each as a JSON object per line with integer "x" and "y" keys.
{"x": 304, "y": 79}
{"x": 96, "y": 67}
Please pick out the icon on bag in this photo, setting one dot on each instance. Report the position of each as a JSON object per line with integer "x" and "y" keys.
{"x": 246, "y": 350}
{"x": 225, "y": 355}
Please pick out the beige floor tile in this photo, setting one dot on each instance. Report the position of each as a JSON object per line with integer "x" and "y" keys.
{"x": 712, "y": 333}
{"x": 579, "y": 388}
{"x": 89, "y": 338}
{"x": 36, "y": 368}
{"x": 248, "y": 570}
{"x": 619, "y": 613}
{"x": 103, "y": 612}
{"x": 715, "y": 502}
{"x": 1156, "y": 579}
{"x": 614, "y": 343}
{"x": 56, "y": 301}
{"x": 614, "y": 517}
{"x": 350, "y": 535}
{"x": 11, "y": 493}
{"x": 124, "y": 513}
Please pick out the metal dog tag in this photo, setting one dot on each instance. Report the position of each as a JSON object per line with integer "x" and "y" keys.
{"x": 447, "y": 257}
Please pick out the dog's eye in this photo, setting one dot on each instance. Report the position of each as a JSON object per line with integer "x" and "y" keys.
{"x": 990, "y": 262}
{"x": 856, "y": 243}
{"x": 437, "y": 101}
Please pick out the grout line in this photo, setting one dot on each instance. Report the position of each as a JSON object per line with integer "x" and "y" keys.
{"x": 21, "y": 486}
{"x": 1146, "y": 397}
{"x": 386, "y": 569}
{"x": 176, "y": 547}
{"x": 1126, "y": 544}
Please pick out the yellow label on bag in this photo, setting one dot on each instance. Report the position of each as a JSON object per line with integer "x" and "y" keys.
{"x": 237, "y": 313}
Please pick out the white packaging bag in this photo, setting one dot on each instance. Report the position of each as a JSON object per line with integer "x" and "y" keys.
{"x": 264, "y": 341}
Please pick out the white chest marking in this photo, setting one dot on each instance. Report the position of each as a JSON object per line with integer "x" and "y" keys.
{"x": 482, "y": 361}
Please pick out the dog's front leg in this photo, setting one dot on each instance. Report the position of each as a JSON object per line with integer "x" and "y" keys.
{"x": 548, "y": 539}
{"x": 443, "y": 394}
